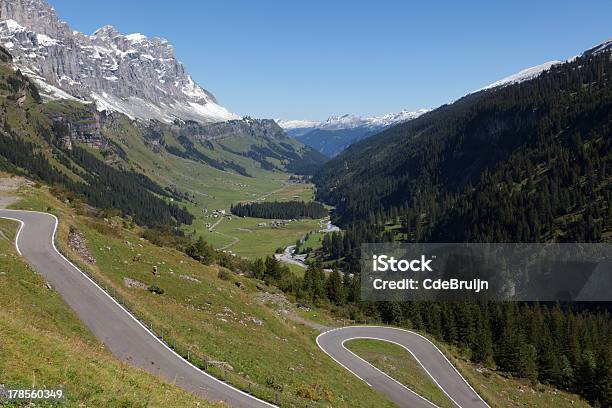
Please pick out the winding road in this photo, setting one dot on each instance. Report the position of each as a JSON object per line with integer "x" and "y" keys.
{"x": 113, "y": 325}
{"x": 129, "y": 340}
{"x": 435, "y": 364}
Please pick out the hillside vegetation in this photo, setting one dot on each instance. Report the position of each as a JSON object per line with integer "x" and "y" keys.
{"x": 45, "y": 345}
{"x": 256, "y": 339}
{"x": 249, "y": 332}
{"x": 528, "y": 162}
{"x": 280, "y": 210}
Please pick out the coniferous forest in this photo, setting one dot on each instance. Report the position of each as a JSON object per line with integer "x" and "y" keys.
{"x": 529, "y": 162}
{"x": 280, "y": 210}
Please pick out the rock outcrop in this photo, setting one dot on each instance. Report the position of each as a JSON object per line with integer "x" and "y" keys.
{"x": 131, "y": 74}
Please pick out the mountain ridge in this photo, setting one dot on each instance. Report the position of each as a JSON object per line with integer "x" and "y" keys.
{"x": 349, "y": 121}
{"x": 131, "y": 74}
{"x": 337, "y": 132}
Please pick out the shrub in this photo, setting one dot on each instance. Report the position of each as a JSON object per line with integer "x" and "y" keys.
{"x": 314, "y": 392}
{"x": 224, "y": 274}
{"x": 273, "y": 383}
{"x": 156, "y": 289}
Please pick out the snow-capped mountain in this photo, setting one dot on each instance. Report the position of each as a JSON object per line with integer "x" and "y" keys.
{"x": 348, "y": 121}
{"x": 374, "y": 122}
{"x": 533, "y": 72}
{"x": 336, "y": 133}
{"x": 297, "y": 124}
{"x": 604, "y": 46}
{"x": 132, "y": 74}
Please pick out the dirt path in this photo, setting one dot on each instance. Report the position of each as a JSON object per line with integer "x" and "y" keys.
{"x": 282, "y": 307}
{"x": 234, "y": 242}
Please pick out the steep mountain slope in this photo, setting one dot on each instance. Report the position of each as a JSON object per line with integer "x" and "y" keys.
{"x": 114, "y": 162}
{"x": 336, "y": 133}
{"x": 131, "y": 74}
{"x": 529, "y": 161}
{"x": 61, "y": 144}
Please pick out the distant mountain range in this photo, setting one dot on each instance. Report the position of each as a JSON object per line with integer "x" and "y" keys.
{"x": 131, "y": 74}
{"x": 335, "y": 134}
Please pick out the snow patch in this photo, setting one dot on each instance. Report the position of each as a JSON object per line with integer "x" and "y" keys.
{"x": 66, "y": 78}
{"x": 13, "y": 26}
{"x": 521, "y": 76}
{"x": 606, "y": 45}
{"x": 47, "y": 90}
{"x": 45, "y": 40}
{"x": 53, "y": 92}
{"x": 296, "y": 124}
{"x": 135, "y": 38}
{"x": 105, "y": 102}
{"x": 213, "y": 111}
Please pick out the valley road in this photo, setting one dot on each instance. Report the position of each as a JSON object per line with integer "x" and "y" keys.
{"x": 125, "y": 336}
{"x": 426, "y": 353}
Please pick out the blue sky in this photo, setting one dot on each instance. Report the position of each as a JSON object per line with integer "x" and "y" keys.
{"x": 310, "y": 59}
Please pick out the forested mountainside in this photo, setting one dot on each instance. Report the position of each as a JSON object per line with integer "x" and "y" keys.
{"x": 528, "y": 162}
{"x": 73, "y": 146}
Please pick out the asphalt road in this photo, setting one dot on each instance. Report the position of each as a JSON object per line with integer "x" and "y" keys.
{"x": 127, "y": 338}
{"x": 431, "y": 359}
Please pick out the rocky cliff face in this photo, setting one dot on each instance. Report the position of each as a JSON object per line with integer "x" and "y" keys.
{"x": 131, "y": 74}
{"x": 246, "y": 128}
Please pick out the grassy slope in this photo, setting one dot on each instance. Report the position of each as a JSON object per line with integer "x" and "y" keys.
{"x": 314, "y": 241}
{"x": 213, "y": 317}
{"x": 45, "y": 345}
{"x": 215, "y": 189}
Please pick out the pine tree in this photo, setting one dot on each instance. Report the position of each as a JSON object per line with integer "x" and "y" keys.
{"x": 335, "y": 290}
{"x": 258, "y": 269}
{"x": 528, "y": 364}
